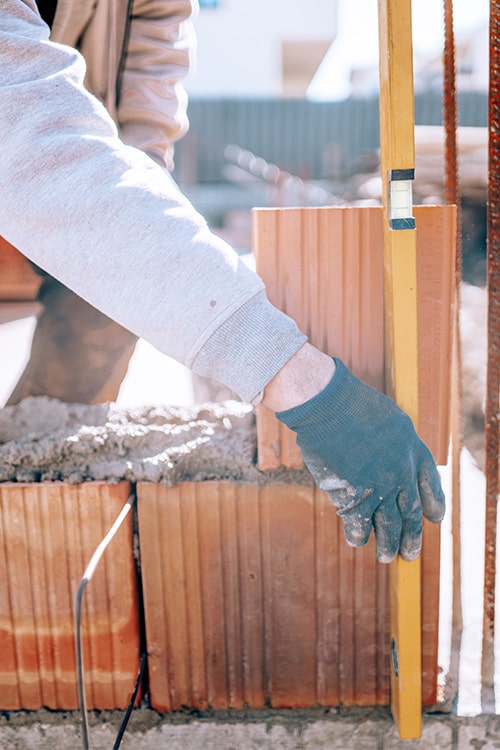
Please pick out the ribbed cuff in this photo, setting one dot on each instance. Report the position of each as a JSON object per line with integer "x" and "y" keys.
{"x": 250, "y": 347}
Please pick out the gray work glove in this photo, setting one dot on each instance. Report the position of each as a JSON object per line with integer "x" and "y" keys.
{"x": 364, "y": 452}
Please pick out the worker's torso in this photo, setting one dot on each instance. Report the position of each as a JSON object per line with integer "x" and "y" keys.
{"x": 97, "y": 28}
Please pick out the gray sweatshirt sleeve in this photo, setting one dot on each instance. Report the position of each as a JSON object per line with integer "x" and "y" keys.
{"x": 109, "y": 223}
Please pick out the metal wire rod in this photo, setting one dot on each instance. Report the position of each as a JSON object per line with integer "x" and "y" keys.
{"x": 130, "y": 706}
{"x": 452, "y": 195}
{"x": 492, "y": 409}
{"x": 87, "y": 576}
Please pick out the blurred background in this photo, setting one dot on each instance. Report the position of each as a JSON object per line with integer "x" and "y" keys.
{"x": 284, "y": 111}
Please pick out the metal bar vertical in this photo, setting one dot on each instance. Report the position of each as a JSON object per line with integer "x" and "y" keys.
{"x": 452, "y": 195}
{"x": 450, "y": 120}
{"x": 492, "y": 416}
{"x": 397, "y": 145}
{"x": 87, "y": 576}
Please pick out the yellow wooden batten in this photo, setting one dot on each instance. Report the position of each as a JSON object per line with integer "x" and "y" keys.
{"x": 398, "y": 156}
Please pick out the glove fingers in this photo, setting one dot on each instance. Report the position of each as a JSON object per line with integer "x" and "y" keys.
{"x": 341, "y": 493}
{"x": 388, "y": 525}
{"x": 357, "y": 526}
{"x": 431, "y": 493}
{"x": 410, "y": 508}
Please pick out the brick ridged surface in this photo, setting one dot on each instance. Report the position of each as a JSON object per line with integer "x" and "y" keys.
{"x": 48, "y": 533}
{"x": 18, "y": 280}
{"x": 324, "y": 267}
{"x": 252, "y": 597}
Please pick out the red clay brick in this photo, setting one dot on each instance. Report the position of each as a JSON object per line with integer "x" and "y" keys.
{"x": 253, "y": 597}
{"x": 48, "y": 533}
{"x": 324, "y": 267}
{"x": 18, "y": 280}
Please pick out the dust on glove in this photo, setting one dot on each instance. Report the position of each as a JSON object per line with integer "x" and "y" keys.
{"x": 363, "y": 450}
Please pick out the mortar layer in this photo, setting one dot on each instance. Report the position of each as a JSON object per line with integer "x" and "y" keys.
{"x": 43, "y": 439}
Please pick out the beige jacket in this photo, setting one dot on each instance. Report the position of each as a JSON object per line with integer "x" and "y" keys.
{"x": 138, "y": 53}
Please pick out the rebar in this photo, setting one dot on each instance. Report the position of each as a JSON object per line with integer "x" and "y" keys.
{"x": 87, "y": 576}
{"x": 492, "y": 420}
{"x": 452, "y": 195}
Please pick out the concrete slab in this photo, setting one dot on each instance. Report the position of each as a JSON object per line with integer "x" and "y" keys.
{"x": 316, "y": 729}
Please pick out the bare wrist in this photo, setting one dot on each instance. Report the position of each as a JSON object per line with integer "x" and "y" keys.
{"x": 306, "y": 374}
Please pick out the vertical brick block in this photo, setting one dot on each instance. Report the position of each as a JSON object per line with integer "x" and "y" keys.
{"x": 253, "y": 597}
{"x": 324, "y": 267}
{"x": 18, "y": 280}
{"x": 436, "y": 242}
{"x": 48, "y": 533}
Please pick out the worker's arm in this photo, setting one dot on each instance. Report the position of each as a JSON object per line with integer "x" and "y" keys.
{"x": 152, "y": 103}
{"x": 110, "y": 224}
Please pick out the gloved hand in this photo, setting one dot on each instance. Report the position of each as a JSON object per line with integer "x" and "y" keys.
{"x": 362, "y": 449}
